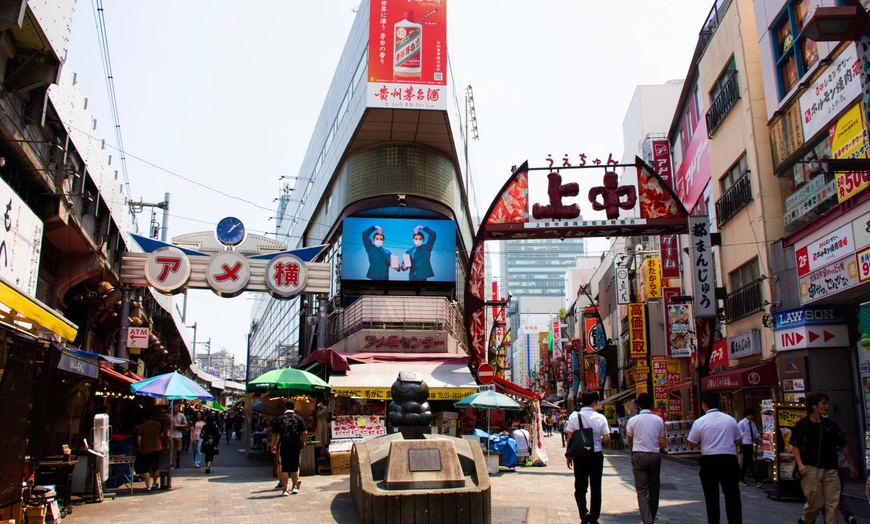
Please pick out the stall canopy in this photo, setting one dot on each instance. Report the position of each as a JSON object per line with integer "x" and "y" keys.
{"x": 372, "y": 375}
{"x": 327, "y": 356}
{"x": 757, "y": 376}
{"x": 18, "y": 308}
{"x": 125, "y": 379}
{"x": 509, "y": 388}
{"x": 622, "y": 395}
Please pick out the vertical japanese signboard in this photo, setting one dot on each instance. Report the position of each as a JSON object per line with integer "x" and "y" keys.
{"x": 20, "y": 241}
{"x": 661, "y": 151}
{"x": 786, "y": 136}
{"x": 623, "y": 289}
{"x": 650, "y": 273}
{"x": 670, "y": 253}
{"x": 407, "y": 61}
{"x": 849, "y": 140}
{"x": 637, "y": 331}
{"x": 678, "y": 322}
{"x": 702, "y": 266}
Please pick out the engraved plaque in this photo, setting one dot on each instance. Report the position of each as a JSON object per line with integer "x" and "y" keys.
{"x": 424, "y": 460}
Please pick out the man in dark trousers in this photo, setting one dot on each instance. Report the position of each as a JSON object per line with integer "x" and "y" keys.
{"x": 420, "y": 255}
{"x": 290, "y": 432}
{"x": 379, "y": 256}
{"x": 588, "y": 471}
{"x": 749, "y": 436}
{"x": 718, "y": 436}
{"x": 815, "y": 441}
{"x": 646, "y": 440}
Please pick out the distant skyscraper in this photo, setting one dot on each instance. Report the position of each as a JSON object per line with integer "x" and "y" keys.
{"x": 537, "y": 267}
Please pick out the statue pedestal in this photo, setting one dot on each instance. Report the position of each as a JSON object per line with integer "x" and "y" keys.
{"x": 423, "y": 464}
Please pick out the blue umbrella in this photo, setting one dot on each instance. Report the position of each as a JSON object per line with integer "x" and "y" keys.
{"x": 172, "y": 386}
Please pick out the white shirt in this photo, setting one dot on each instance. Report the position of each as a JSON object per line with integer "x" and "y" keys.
{"x": 591, "y": 419}
{"x": 521, "y": 437}
{"x": 178, "y": 419}
{"x": 645, "y": 430}
{"x": 748, "y": 431}
{"x": 716, "y": 432}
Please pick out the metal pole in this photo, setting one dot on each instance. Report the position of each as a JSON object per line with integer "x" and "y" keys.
{"x": 164, "y": 234}
{"x": 208, "y": 357}
{"x": 321, "y": 324}
{"x": 193, "y": 356}
{"x": 121, "y": 349}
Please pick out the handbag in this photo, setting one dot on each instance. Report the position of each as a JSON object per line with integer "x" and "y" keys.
{"x": 582, "y": 442}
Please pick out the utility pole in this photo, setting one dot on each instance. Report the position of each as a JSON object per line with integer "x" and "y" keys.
{"x": 136, "y": 207}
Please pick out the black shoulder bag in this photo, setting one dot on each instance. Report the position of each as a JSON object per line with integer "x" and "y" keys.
{"x": 582, "y": 442}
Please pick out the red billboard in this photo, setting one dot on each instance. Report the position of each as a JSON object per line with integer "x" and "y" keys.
{"x": 694, "y": 171}
{"x": 407, "y": 63}
{"x": 661, "y": 150}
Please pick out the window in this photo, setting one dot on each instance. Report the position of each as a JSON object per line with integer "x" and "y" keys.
{"x": 794, "y": 54}
{"x": 723, "y": 96}
{"x": 733, "y": 175}
{"x": 744, "y": 275}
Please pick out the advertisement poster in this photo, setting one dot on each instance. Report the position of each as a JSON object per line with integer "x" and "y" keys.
{"x": 407, "y": 62}
{"x": 348, "y": 426}
{"x": 829, "y": 280}
{"x": 838, "y": 86}
{"x": 694, "y": 171}
{"x": 786, "y": 416}
{"x": 660, "y": 382}
{"x": 398, "y": 249}
{"x": 849, "y": 140}
{"x": 768, "y": 429}
{"x": 637, "y": 331}
{"x": 679, "y": 332}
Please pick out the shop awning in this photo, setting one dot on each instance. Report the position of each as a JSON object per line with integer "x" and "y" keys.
{"x": 327, "y": 356}
{"x": 16, "y": 307}
{"x": 622, "y": 395}
{"x": 120, "y": 379}
{"x": 447, "y": 380}
{"x": 757, "y": 376}
{"x": 73, "y": 363}
{"x": 679, "y": 386}
{"x": 509, "y": 388}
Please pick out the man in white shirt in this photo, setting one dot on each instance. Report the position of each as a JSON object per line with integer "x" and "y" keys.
{"x": 748, "y": 436}
{"x": 646, "y": 440}
{"x": 719, "y": 437}
{"x": 521, "y": 437}
{"x": 179, "y": 424}
{"x": 588, "y": 471}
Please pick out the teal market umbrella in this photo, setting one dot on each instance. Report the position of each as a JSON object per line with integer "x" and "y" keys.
{"x": 488, "y": 400}
{"x": 289, "y": 379}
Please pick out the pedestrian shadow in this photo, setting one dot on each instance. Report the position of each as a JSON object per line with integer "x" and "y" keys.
{"x": 343, "y": 510}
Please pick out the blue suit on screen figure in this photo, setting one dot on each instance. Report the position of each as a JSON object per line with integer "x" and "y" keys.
{"x": 418, "y": 259}
{"x": 379, "y": 256}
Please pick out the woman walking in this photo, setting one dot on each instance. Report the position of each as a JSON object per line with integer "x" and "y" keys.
{"x": 196, "y": 439}
{"x": 210, "y": 436}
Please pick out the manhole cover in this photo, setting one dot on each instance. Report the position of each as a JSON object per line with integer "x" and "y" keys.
{"x": 510, "y": 515}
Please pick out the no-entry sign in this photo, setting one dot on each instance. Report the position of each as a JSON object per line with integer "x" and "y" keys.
{"x": 485, "y": 373}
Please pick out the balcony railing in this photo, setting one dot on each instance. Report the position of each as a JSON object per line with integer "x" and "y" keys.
{"x": 729, "y": 96}
{"x": 734, "y": 199}
{"x": 714, "y": 19}
{"x": 396, "y": 313}
{"x": 743, "y": 302}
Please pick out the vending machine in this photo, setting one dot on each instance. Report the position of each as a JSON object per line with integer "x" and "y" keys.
{"x": 100, "y": 435}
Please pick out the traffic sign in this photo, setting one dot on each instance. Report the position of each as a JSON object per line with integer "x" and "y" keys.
{"x": 812, "y": 337}
{"x": 485, "y": 373}
{"x": 485, "y": 387}
{"x": 137, "y": 337}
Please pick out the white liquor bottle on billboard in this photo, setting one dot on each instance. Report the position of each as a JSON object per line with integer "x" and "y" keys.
{"x": 408, "y": 46}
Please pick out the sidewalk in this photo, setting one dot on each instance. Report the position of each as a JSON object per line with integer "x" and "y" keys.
{"x": 242, "y": 490}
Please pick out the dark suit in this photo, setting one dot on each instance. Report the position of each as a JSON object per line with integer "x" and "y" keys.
{"x": 421, "y": 258}
{"x": 379, "y": 258}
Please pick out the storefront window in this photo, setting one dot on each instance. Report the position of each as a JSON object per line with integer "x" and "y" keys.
{"x": 807, "y": 191}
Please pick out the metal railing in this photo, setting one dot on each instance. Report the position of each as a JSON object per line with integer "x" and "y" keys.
{"x": 714, "y": 19}
{"x": 726, "y": 99}
{"x": 744, "y": 302}
{"x": 734, "y": 199}
{"x": 396, "y": 313}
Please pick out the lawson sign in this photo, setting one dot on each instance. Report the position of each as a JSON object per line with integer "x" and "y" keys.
{"x": 809, "y": 316}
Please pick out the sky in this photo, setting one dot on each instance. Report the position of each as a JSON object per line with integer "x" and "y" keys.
{"x": 218, "y": 99}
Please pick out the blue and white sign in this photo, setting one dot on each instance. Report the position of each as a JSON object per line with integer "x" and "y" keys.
{"x": 809, "y": 316}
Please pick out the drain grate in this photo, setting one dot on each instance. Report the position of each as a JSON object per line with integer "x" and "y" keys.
{"x": 510, "y": 515}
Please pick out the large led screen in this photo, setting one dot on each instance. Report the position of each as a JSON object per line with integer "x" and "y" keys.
{"x": 398, "y": 249}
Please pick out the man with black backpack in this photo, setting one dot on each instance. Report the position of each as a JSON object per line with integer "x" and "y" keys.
{"x": 588, "y": 465}
{"x": 290, "y": 432}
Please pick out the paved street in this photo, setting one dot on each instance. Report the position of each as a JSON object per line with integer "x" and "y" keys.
{"x": 242, "y": 490}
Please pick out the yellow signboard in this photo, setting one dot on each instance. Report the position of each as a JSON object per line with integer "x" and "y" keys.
{"x": 849, "y": 140}
{"x": 651, "y": 279}
{"x": 637, "y": 331}
{"x": 384, "y": 393}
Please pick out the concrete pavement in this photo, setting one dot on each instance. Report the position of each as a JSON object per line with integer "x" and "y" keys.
{"x": 242, "y": 490}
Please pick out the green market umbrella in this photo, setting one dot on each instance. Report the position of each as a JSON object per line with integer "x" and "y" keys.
{"x": 215, "y": 405}
{"x": 289, "y": 379}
